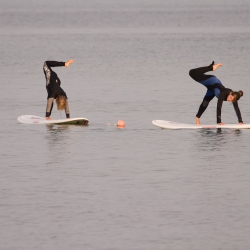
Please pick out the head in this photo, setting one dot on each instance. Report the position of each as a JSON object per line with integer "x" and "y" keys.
{"x": 234, "y": 96}
{"x": 61, "y": 102}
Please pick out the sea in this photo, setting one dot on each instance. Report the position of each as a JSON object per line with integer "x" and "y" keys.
{"x": 99, "y": 187}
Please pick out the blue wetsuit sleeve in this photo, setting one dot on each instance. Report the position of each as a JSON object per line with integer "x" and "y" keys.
{"x": 237, "y": 111}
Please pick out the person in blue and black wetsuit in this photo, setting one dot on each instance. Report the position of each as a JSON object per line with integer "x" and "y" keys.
{"x": 53, "y": 88}
{"x": 215, "y": 88}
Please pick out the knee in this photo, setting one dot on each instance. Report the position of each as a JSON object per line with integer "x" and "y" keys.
{"x": 205, "y": 103}
{"x": 191, "y": 73}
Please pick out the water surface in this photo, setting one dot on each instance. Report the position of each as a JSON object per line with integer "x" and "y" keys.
{"x": 99, "y": 187}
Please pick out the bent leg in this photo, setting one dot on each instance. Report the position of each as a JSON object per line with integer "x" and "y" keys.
{"x": 205, "y": 80}
{"x": 198, "y": 74}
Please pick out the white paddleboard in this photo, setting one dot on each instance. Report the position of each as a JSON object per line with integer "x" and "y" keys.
{"x": 32, "y": 119}
{"x": 178, "y": 125}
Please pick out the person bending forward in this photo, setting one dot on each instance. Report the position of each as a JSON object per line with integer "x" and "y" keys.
{"x": 215, "y": 88}
{"x": 53, "y": 86}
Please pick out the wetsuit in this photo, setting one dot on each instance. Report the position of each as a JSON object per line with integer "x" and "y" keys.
{"x": 53, "y": 86}
{"x": 214, "y": 88}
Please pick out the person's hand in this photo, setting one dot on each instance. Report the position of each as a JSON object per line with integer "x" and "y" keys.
{"x": 47, "y": 118}
{"x": 241, "y": 123}
{"x": 197, "y": 121}
{"x": 221, "y": 123}
{"x": 68, "y": 63}
{"x": 215, "y": 66}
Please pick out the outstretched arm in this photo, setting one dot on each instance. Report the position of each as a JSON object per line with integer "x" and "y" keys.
{"x": 237, "y": 111}
{"x": 219, "y": 106}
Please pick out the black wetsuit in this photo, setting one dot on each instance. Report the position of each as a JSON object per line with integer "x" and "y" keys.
{"x": 53, "y": 86}
{"x": 214, "y": 88}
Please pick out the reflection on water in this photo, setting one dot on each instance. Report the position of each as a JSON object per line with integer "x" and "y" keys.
{"x": 56, "y": 140}
{"x": 56, "y": 128}
{"x": 217, "y": 140}
{"x": 74, "y": 187}
{"x": 218, "y": 131}
{"x": 60, "y": 141}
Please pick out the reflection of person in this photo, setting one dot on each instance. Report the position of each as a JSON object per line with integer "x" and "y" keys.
{"x": 53, "y": 88}
{"x": 215, "y": 88}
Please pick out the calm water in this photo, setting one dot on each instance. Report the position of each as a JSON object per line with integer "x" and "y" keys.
{"x": 99, "y": 187}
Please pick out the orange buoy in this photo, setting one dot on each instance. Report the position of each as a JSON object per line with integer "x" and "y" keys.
{"x": 121, "y": 124}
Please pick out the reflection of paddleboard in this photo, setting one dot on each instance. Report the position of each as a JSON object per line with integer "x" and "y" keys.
{"x": 32, "y": 119}
{"x": 178, "y": 125}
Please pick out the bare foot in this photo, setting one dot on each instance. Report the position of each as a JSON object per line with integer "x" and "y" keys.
{"x": 197, "y": 121}
{"x": 68, "y": 63}
{"x": 215, "y": 66}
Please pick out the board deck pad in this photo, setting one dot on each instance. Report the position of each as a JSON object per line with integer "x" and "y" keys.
{"x": 33, "y": 119}
{"x": 178, "y": 125}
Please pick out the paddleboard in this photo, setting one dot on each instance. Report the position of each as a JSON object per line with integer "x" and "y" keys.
{"x": 178, "y": 125}
{"x": 32, "y": 119}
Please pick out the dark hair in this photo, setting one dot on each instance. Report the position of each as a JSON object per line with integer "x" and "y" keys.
{"x": 237, "y": 95}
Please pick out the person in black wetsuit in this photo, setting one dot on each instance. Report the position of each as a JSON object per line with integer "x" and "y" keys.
{"x": 53, "y": 88}
{"x": 215, "y": 88}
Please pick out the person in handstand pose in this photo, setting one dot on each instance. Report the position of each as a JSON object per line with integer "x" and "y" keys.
{"x": 53, "y": 88}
